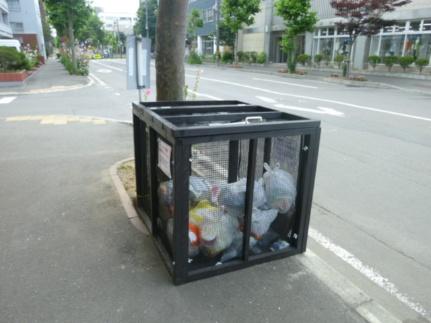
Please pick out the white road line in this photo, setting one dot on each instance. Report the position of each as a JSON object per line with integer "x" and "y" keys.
{"x": 286, "y": 83}
{"x": 98, "y": 80}
{"x": 319, "y": 110}
{"x": 350, "y": 105}
{"x": 367, "y": 271}
{"x": 109, "y": 66}
{"x": 266, "y": 100}
{"x": 203, "y": 95}
{"x": 7, "y": 99}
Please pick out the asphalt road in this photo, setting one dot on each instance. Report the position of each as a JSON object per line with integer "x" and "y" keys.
{"x": 373, "y": 186}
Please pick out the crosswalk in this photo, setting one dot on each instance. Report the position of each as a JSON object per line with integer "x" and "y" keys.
{"x": 7, "y": 99}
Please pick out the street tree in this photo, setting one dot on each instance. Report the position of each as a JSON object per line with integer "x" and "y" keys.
{"x": 140, "y": 27}
{"x": 298, "y": 18}
{"x": 68, "y": 17}
{"x": 92, "y": 31}
{"x": 194, "y": 21}
{"x": 363, "y": 17}
{"x": 236, "y": 14}
{"x": 170, "y": 49}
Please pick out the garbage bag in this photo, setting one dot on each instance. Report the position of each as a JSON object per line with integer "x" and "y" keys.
{"x": 194, "y": 237}
{"x": 235, "y": 249}
{"x": 261, "y": 221}
{"x": 202, "y": 210}
{"x": 217, "y": 232}
{"x": 233, "y": 194}
{"x": 199, "y": 189}
{"x": 280, "y": 188}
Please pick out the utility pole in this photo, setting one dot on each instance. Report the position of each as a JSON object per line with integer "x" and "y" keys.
{"x": 218, "y": 32}
{"x": 147, "y": 28}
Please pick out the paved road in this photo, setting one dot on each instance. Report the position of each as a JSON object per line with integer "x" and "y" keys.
{"x": 374, "y": 174}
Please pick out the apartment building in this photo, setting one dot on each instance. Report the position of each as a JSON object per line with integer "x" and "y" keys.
{"x": 118, "y": 21}
{"x": 206, "y": 40}
{"x": 26, "y": 23}
{"x": 411, "y": 35}
{"x": 5, "y": 30}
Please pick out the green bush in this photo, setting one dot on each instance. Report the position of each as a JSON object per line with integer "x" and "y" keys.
{"x": 421, "y": 63}
{"x": 241, "y": 57}
{"x": 374, "y": 60}
{"x": 390, "y": 61}
{"x": 194, "y": 58}
{"x": 326, "y": 59}
{"x": 406, "y": 61}
{"x": 227, "y": 58}
{"x": 261, "y": 58}
{"x": 12, "y": 60}
{"x": 81, "y": 65}
{"x": 253, "y": 57}
{"x": 318, "y": 59}
{"x": 303, "y": 59}
{"x": 339, "y": 59}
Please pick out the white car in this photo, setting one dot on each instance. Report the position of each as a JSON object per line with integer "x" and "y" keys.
{"x": 11, "y": 43}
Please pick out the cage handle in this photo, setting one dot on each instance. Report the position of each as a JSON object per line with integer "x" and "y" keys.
{"x": 255, "y": 119}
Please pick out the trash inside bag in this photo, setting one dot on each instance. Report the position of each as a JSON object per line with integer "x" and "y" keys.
{"x": 261, "y": 221}
{"x": 233, "y": 194}
{"x": 202, "y": 210}
{"x": 194, "y": 237}
{"x": 280, "y": 188}
{"x": 279, "y": 245}
{"x": 235, "y": 250}
{"x": 217, "y": 232}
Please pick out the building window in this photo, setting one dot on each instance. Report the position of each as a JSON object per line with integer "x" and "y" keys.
{"x": 392, "y": 45}
{"x": 14, "y": 5}
{"x": 427, "y": 25}
{"x": 208, "y": 15}
{"x": 17, "y": 27}
{"x": 329, "y": 42}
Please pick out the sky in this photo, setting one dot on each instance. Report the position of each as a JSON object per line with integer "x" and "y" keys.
{"x": 125, "y": 6}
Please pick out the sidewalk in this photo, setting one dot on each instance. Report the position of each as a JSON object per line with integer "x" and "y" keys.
{"x": 69, "y": 253}
{"x": 52, "y": 75}
{"x": 396, "y": 82}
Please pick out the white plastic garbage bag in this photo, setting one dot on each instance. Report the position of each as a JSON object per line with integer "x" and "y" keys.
{"x": 280, "y": 188}
{"x": 233, "y": 194}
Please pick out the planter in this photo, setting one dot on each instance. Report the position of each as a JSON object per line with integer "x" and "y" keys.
{"x": 13, "y": 76}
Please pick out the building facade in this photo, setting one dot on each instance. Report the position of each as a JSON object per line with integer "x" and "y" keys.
{"x": 25, "y": 21}
{"x": 411, "y": 35}
{"x": 206, "y": 40}
{"x": 118, "y": 22}
{"x": 5, "y": 30}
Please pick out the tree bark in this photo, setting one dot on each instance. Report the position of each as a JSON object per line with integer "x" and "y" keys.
{"x": 71, "y": 42}
{"x": 170, "y": 49}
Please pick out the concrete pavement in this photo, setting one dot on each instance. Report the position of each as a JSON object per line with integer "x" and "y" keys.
{"x": 69, "y": 253}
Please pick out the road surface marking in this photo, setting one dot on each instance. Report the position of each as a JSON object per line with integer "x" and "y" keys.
{"x": 286, "y": 83}
{"x": 266, "y": 100}
{"x": 104, "y": 71}
{"x": 319, "y": 110}
{"x": 109, "y": 66}
{"x": 203, "y": 95}
{"x": 59, "y": 119}
{"x": 7, "y": 99}
{"x": 350, "y": 105}
{"x": 367, "y": 271}
{"x": 98, "y": 80}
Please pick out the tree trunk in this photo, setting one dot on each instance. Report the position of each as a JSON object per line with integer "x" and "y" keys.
{"x": 235, "y": 49}
{"x": 170, "y": 49}
{"x": 72, "y": 42}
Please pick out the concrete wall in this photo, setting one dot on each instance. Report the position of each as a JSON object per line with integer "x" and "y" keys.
{"x": 253, "y": 42}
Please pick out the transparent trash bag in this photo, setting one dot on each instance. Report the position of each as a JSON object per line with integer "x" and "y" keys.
{"x": 233, "y": 194}
{"x": 261, "y": 221}
{"x": 235, "y": 250}
{"x": 279, "y": 187}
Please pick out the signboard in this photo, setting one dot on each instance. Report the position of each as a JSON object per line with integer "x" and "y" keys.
{"x": 164, "y": 157}
{"x": 138, "y": 59}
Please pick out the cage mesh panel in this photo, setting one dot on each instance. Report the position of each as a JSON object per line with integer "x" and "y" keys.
{"x": 215, "y": 214}
{"x": 285, "y": 152}
{"x": 146, "y": 194}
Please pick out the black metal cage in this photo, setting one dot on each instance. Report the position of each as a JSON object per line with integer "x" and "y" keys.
{"x": 223, "y": 185}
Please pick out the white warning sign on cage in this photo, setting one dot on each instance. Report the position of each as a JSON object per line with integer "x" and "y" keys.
{"x": 164, "y": 157}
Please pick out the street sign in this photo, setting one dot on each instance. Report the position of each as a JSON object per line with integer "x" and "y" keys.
{"x": 138, "y": 59}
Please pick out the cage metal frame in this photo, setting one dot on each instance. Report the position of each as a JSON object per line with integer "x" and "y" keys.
{"x": 152, "y": 120}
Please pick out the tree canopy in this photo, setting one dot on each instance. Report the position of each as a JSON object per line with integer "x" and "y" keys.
{"x": 92, "y": 31}
{"x": 236, "y": 13}
{"x": 140, "y": 25}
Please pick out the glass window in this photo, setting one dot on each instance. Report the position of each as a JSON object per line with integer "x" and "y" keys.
{"x": 342, "y": 32}
{"x": 427, "y": 25}
{"x": 315, "y": 46}
{"x": 326, "y": 46}
{"x": 374, "y": 47}
{"x": 14, "y": 5}
{"x": 330, "y": 31}
{"x": 17, "y": 27}
{"x": 400, "y": 27}
{"x": 421, "y": 46}
{"x": 388, "y": 29}
{"x": 316, "y": 32}
{"x": 415, "y": 25}
{"x": 392, "y": 45}
{"x": 324, "y": 32}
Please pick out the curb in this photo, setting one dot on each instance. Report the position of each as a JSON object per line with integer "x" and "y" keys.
{"x": 125, "y": 199}
{"x": 352, "y": 295}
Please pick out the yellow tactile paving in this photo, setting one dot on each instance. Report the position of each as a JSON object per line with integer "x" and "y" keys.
{"x": 57, "y": 119}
